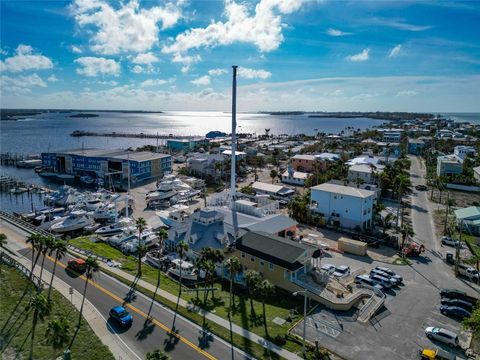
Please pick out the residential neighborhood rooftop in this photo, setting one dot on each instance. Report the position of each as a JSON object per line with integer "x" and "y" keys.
{"x": 344, "y": 190}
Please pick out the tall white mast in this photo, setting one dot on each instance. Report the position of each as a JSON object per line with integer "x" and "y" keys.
{"x": 234, "y": 137}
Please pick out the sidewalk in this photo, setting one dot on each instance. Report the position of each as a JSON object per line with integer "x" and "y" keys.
{"x": 208, "y": 315}
{"x": 97, "y": 322}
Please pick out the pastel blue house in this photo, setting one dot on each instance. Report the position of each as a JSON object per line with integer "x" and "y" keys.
{"x": 469, "y": 217}
{"x": 343, "y": 206}
{"x": 415, "y": 146}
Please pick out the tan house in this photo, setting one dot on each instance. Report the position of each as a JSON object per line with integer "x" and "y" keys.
{"x": 307, "y": 163}
{"x": 279, "y": 260}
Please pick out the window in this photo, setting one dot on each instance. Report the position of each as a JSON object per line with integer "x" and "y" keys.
{"x": 286, "y": 274}
{"x": 270, "y": 266}
{"x": 262, "y": 263}
{"x": 252, "y": 258}
{"x": 243, "y": 255}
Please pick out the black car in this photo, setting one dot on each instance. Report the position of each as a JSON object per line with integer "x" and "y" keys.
{"x": 421, "y": 187}
{"x": 455, "y": 311}
{"x": 453, "y": 294}
{"x": 457, "y": 303}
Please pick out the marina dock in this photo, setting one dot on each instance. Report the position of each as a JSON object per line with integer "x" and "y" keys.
{"x": 81, "y": 133}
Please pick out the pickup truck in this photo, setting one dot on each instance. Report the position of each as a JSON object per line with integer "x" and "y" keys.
{"x": 469, "y": 272}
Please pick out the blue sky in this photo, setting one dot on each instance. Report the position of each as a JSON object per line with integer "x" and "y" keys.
{"x": 293, "y": 55}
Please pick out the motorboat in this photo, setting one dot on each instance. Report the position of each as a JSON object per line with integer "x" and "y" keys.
{"x": 116, "y": 228}
{"x": 105, "y": 213}
{"x": 87, "y": 180}
{"x": 18, "y": 190}
{"x": 161, "y": 195}
{"x": 163, "y": 204}
{"x": 154, "y": 258}
{"x": 187, "y": 270}
{"x": 92, "y": 204}
{"x": 92, "y": 228}
{"x": 171, "y": 218}
{"x": 47, "y": 217}
{"x": 65, "y": 195}
{"x": 147, "y": 239}
{"x": 76, "y": 220}
{"x": 127, "y": 234}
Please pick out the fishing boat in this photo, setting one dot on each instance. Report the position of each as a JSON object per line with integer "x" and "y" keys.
{"x": 116, "y": 228}
{"x": 188, "y": 271}
{"x": 147, "y": 239}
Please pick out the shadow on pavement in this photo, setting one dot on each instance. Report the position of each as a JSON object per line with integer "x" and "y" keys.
{"x": 114, "y": 328}
{"x": 147, "y": 329}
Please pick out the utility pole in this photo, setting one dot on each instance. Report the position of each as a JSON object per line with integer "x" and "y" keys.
{"x": 457, "y": 249}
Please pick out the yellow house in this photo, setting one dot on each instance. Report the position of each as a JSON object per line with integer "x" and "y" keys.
{"x": 279, "y": 260}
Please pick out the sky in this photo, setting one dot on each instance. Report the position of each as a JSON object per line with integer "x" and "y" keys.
{"x": 315, "y": 55}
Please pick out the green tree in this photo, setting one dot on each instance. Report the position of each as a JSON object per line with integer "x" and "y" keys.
{"x": 157, "y": 355}
{"x": 40, "y": 307}
{"x": 182, "y": 249}
{"x": 47, "y": 245}
{"x": 58, "y": 332}
{"x": 234, "y": 267}
{"x": 3, "y": 240}
{"x": 36, "y": 241}
{"x": 406, "y": 231}
{"x": 91, "y": 267}
{"x": 209, "y": 257}
{"x": 253, "y": 280}
{"x": 386, "y": 222}
{"x": 273, "y": 174}
{"x": 473, "y": 322}
{"x": 141, "y": 224}
{"x": 265, "y": 289}
{"x": 59, "y": 247}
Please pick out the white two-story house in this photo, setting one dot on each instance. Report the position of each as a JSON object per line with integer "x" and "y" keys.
{"x": 343, "y": 206}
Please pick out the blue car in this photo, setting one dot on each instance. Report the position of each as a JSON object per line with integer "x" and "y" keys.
{"x": 455, "y": 311}
{"x": 121, "y": 316}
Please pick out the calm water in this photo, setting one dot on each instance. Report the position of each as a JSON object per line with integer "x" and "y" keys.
{"x": 51, "y": 131}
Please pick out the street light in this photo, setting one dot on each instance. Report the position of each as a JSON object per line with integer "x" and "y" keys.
{"x": 304, "y": 317}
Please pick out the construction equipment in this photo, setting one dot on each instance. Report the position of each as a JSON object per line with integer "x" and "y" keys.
{"x": 413, "y": 249}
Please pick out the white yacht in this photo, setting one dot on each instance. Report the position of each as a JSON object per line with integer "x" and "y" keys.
{"x": 76, "y": 220}
{"x": 147, "y": 239}
{"x": 188, "y": 270}
{"x": 173, "y": 217}
{"x": 105, "y": 213}
{"x": 116, "y": 228}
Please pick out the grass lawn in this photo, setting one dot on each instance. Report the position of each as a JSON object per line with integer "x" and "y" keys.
{"x": 16, "y": 323}
{"x": 473, "y": 243}
{"x": 277, "y": 306}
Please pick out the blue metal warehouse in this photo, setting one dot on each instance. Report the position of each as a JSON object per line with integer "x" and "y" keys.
{"x": 111, "y": 165}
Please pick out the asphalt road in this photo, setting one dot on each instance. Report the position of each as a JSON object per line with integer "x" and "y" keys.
{"x": 104, "y": 292}
{"x": 398, "y": 332}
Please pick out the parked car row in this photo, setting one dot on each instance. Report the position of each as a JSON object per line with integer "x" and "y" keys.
{"x": 381, "y": 278}
{"x": 337, "y": 271}
{"x": 456, "y": 303}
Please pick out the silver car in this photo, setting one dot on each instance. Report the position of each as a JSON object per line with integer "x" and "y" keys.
{"x": 443, "y": 335}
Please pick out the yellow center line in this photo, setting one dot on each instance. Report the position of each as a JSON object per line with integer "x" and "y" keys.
{"x": 141, "y": 313}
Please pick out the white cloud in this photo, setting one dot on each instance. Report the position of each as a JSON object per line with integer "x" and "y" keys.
{"x": 145, "y": 59}
{"x": 25, "y": 59}
{"x": 97, "y": 66}
{"x": 21, "y": 84}
{"x": 52, "y": 78}
{"x": 107, "y": 83}
{"x": 361, "y": 56}
{"x": 201, "y": 81}
{"x": 263, "y": 28}
{"x": 154, "y": 82}
{"x": 336, "y": 32}
{"x": 217, "y": 72}
{"x": 247, "y": 73}
{"x": 186, "y": 60}
{"x": 395, "y": 51}
{"x": 137, "y": 69}
{"x": 129, "y": 28}
{"x": 407, "y": 93}
{"x": 399, "y": 24}
{"x": 75, "y": 49}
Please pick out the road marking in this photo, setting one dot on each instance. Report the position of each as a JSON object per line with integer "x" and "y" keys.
{"x": 141, "y": 313}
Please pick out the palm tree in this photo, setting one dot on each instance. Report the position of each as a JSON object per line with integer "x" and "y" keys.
{"x": 47, "y": 245}
{"x": 386, "y": 222}
{"x": 58, "y": 332}
{"x": 60, "y": 249}
{"x": 141, "y": 224}
{"x": 406, "y": 231}
{"x": 208, "y": 258}
{"x": 253, "y": 279}
{"x": 3, "y": 240}
{"x": 157, "y": 355}
{"x": 182, "y": 248}
{"x": 91, "y": 267}
{"x": 39, "y": 305}
{"x": 141, "y": 251}
{"x": 234, "y": 267}
{"x": 359, "y": 181}
{"x": 265, "y": 290}
{"x": 36, "y": 241}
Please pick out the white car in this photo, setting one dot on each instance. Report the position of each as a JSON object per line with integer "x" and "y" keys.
{"x": 328, "y": 268}
{"x": 443, "y": 335}
{"x": 342, "y": 271}
{"x": 447, "y": 240}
